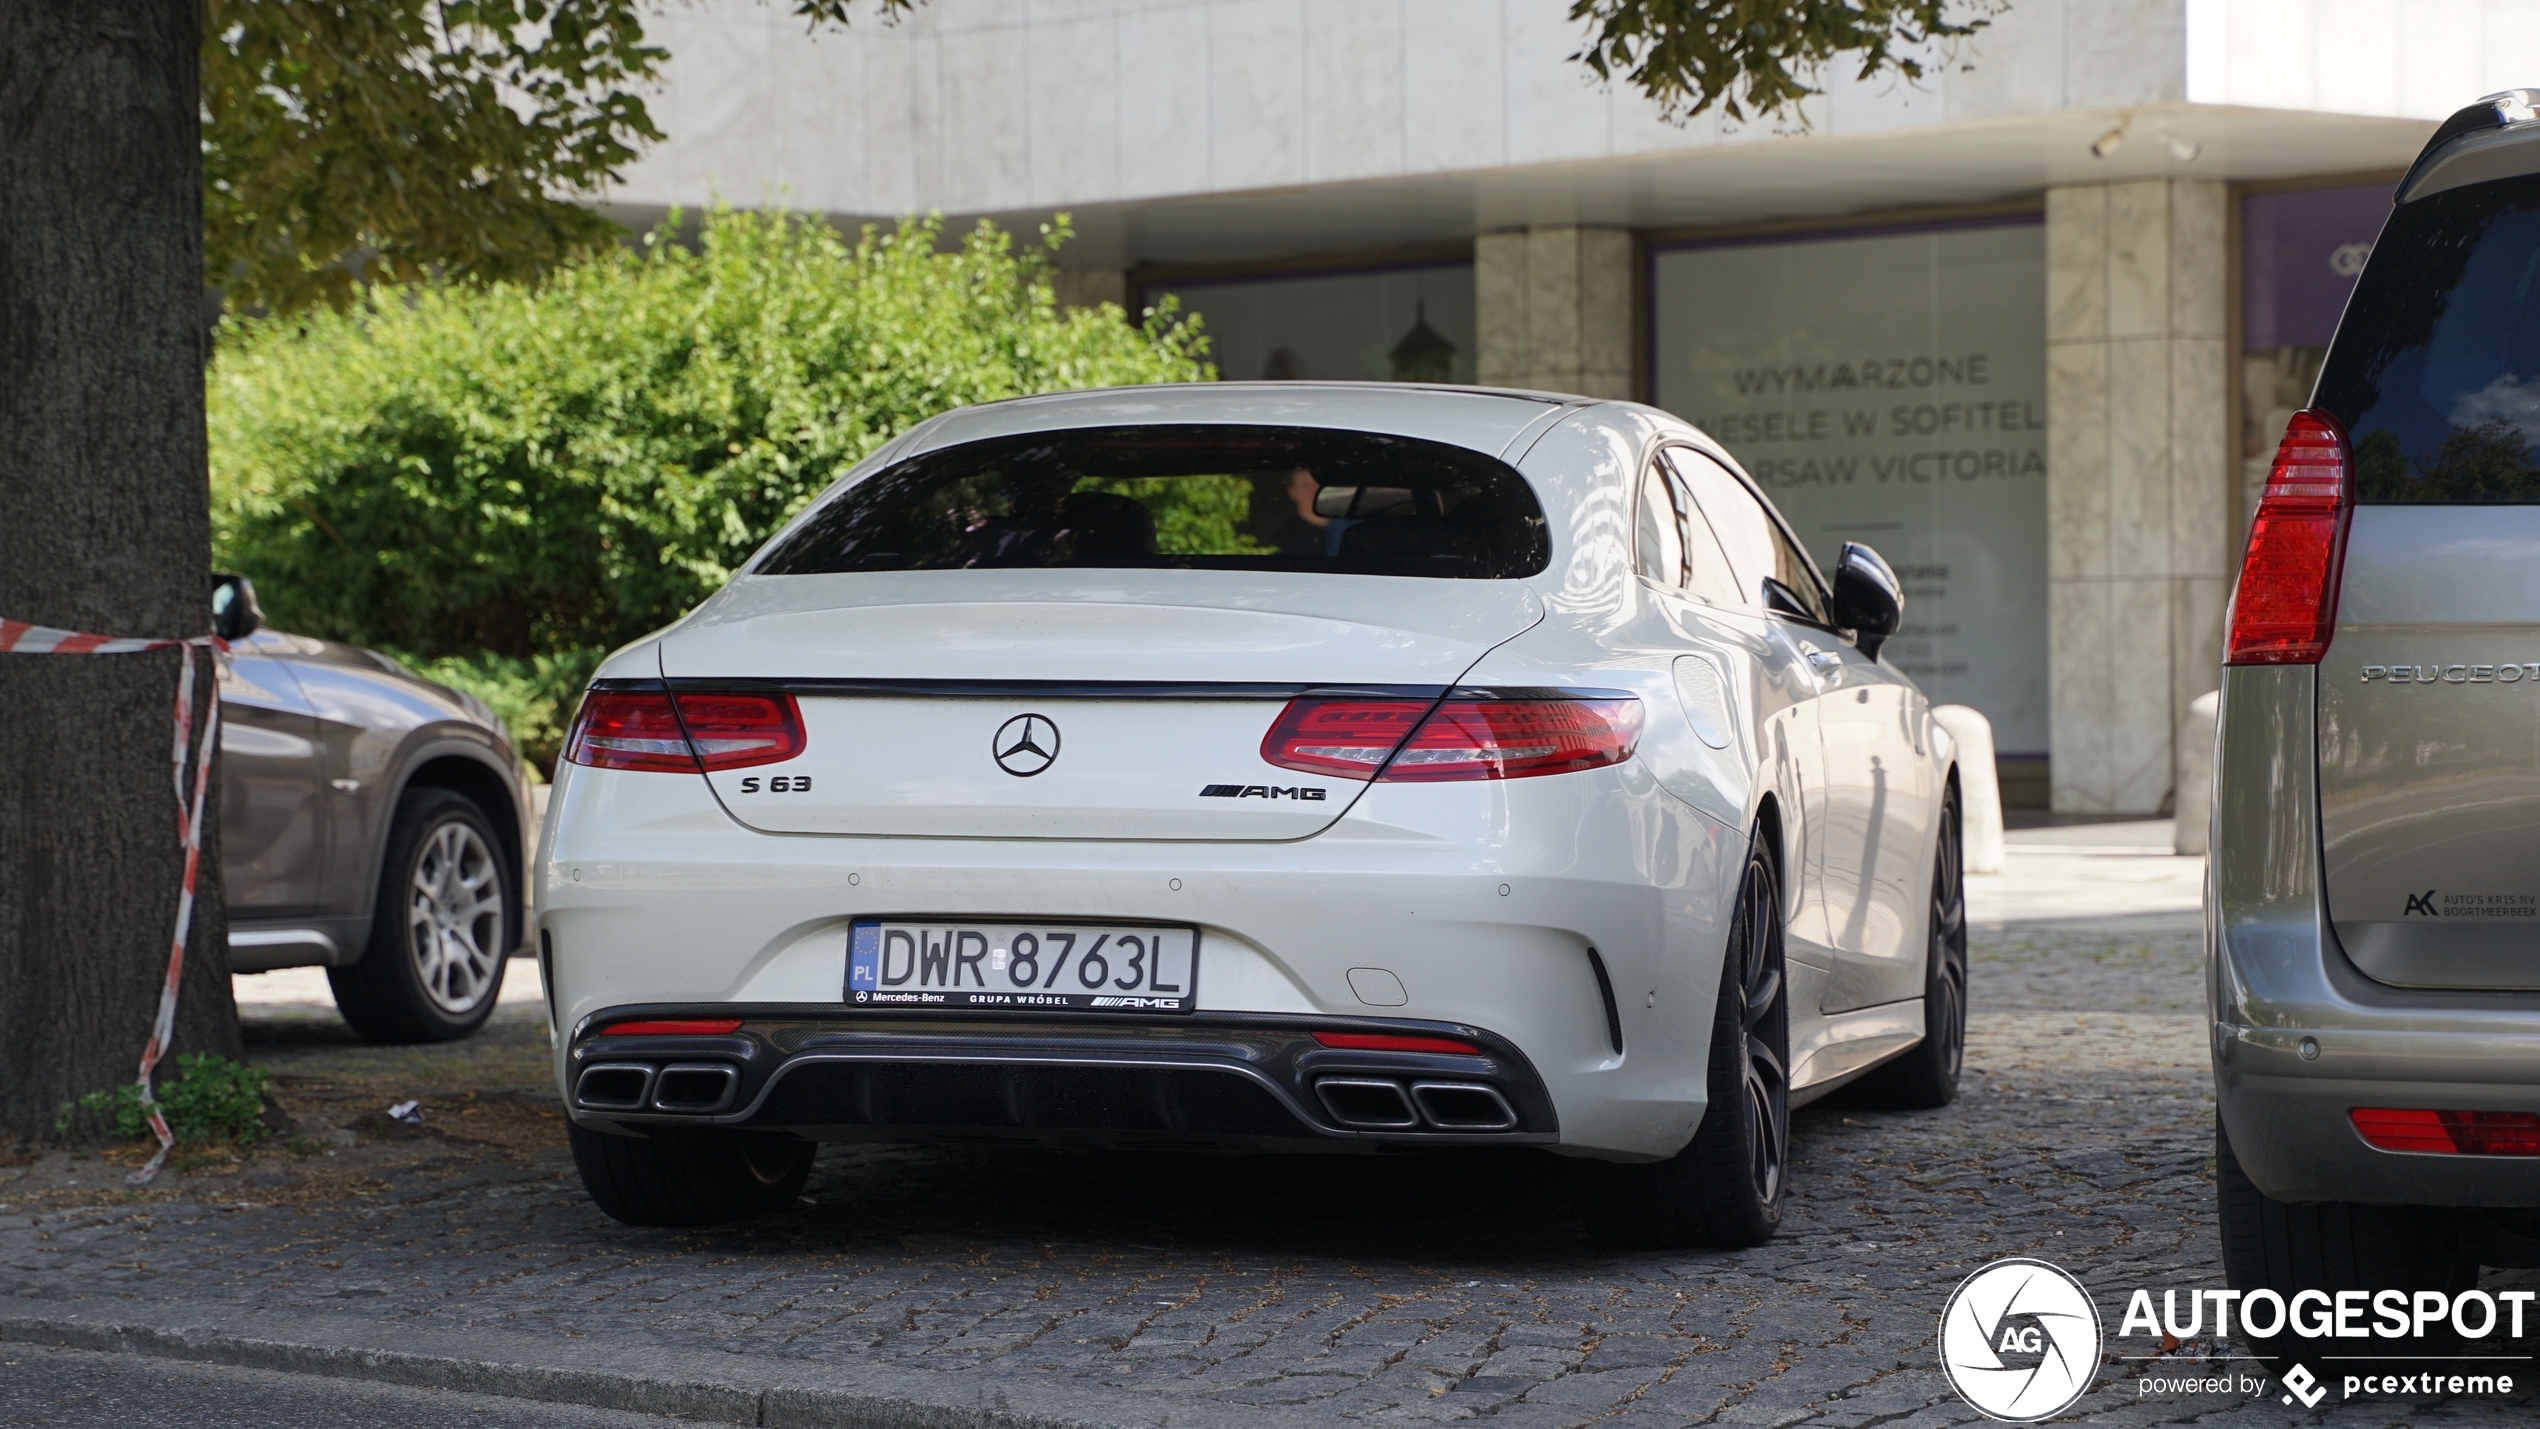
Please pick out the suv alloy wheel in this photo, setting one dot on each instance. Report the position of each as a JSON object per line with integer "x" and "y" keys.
{"x": 440, "y": 930}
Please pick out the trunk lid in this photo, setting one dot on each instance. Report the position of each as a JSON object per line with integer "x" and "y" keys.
{"x": 2430, "y": 746}
{"x": 1066, "y": 704}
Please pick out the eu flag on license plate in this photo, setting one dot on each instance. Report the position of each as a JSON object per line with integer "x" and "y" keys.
{"x": 864, "y": 958}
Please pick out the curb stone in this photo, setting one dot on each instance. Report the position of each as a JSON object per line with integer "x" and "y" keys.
{"x": 699, "y": 1398}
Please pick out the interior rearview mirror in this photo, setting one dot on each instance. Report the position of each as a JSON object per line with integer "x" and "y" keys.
{"x": 235, "y": 615}
{"x": 1868, "y": 600}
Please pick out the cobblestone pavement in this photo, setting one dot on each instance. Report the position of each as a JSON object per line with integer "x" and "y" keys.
{"x": 40, "y": 1386}
{"x": 1183, "y": 1290}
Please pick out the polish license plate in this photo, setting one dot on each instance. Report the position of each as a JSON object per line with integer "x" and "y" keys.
{"x": 1022, "y": 967}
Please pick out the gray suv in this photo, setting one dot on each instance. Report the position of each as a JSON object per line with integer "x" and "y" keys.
{"x": 2373, "y": 900}
{"x": 371, "y": 824}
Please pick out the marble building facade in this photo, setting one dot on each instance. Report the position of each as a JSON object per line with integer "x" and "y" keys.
{"x": 1325, "y": 181}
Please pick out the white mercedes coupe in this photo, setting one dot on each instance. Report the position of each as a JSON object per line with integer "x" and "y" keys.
{"x": 1280, "y": 766}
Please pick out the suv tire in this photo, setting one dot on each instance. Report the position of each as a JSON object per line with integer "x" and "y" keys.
{"x": 1927, "y": 1075}
{"x": 446, "y": 891}
{"x": 1725, "y": 1190}
{"x": 691, "y": 1176}
{"x": 2275, "y": 1245}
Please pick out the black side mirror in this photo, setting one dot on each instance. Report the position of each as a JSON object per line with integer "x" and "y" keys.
{"x": 1868, "y": 600}
{"x": 235, "y": 614}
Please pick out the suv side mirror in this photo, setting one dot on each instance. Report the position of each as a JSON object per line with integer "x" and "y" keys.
{"x": 235, "y": 614}
{"x": 1868, "y": 601}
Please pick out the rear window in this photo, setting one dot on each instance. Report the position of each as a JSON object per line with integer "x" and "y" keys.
{"x": 1186, "y": 497}
{"x": 2436, "y": 368}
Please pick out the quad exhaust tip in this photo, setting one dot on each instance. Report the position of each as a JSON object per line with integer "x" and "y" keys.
{"x": 1370, "y": 1104}
{"x": 695, "y": 1087}
{"x": 614, "y": 1086}
{"x": 1464, "y": 1106}
{"x": 1367, "y": 1103}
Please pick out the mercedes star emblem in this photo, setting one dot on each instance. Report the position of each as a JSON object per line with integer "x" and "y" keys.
{"x": 1025, "y": 745}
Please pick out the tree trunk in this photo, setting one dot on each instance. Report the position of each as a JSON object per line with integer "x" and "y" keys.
{"x": 104, "y": 526}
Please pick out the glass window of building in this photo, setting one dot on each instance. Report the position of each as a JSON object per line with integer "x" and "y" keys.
{"x": 1408, "y": 324}
{"x": 1889, "y": 388}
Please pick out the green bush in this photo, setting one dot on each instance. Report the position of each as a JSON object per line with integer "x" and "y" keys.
{"x": 500, "y": 482}
{"x": 211, "y": 1099}
{"x": 534, "y": 698}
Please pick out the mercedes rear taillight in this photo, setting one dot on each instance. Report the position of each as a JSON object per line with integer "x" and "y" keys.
{"x": 1463, "y": 737}
{"x": 1339, "y": 736}
{"x": 711, "y": 730}
{"x": 2286, "y": 602}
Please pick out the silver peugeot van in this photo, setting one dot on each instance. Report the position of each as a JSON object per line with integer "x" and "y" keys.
{"x": 2373, "y": 899}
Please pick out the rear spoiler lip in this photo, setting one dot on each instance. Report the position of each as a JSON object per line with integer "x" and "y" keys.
{"x": 854, "y": 687}
{"x": 2508, "y": 109}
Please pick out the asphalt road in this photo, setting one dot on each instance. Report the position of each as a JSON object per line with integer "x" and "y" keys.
{"x": 75, "y": 1389}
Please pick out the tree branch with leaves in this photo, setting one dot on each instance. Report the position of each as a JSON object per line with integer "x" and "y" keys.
{"x": 350, "y": 140}
{"x": 1756, "y": 58}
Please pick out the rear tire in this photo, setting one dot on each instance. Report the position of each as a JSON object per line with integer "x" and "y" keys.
{"x": 691, "y": 1176}
{"x": 442, "y": 926}
{"x": 1927, "y": 1075}
{"x": 1725, "y": 1190}
{"x": 2275, "y": 1245}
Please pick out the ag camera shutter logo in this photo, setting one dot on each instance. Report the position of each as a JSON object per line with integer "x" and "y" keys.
{"x": 2020, "y": 1340}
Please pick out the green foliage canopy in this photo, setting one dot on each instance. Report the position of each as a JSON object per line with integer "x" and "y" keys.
{"x": 400, "y": 139}
{"x": 516, "y": 475}
{"x": 1755, "y": 55}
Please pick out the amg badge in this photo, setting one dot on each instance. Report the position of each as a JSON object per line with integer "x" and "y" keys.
{"x": 1258, "y": 791}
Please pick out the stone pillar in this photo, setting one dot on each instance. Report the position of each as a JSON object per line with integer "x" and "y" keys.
{"x": 1554, "y": 310}
{"x": 2140, "y": 510}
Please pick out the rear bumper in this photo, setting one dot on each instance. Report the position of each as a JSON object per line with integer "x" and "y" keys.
{"x": 2279, "y": 986}
{"x": 650, "y": 896}
{"x": 1217, "y": 1081}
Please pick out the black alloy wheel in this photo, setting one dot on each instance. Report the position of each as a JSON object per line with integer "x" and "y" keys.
{"x": 1726, "y": 1189}
{"x": 1762, "y": 1052}
{"x": 1926, "y": 1076}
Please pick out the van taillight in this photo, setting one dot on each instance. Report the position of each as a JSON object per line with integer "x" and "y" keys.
{"x": 639, "y": 729}
{"x": 2286, "y": 602}
{"x": 2449, "y": 1133}
{"x": 1462, "y": 738}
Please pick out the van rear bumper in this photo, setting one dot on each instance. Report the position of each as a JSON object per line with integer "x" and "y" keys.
{"x": 2278, "y": 985}
{"x": 2289, "y": 1126}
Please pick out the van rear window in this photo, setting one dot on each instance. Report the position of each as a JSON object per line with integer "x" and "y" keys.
{"x": 2436, "y": 368}
{"x": 1188, "y": 497}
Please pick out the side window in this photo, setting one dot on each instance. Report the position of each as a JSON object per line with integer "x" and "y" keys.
{"x": 1659, "y": 542}
{"x": 1707, "y": 572}
{"x": 1760, "y": 557}
{"x": 1793, "y": 575}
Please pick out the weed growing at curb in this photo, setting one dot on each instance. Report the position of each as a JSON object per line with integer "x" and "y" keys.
{"x": 211, "y": 1099}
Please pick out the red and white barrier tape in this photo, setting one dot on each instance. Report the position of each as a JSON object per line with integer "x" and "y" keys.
{"x": 19, "y": 638}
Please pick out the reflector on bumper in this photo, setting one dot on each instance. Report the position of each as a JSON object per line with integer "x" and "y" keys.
{"x": 2449, "y": 1133}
